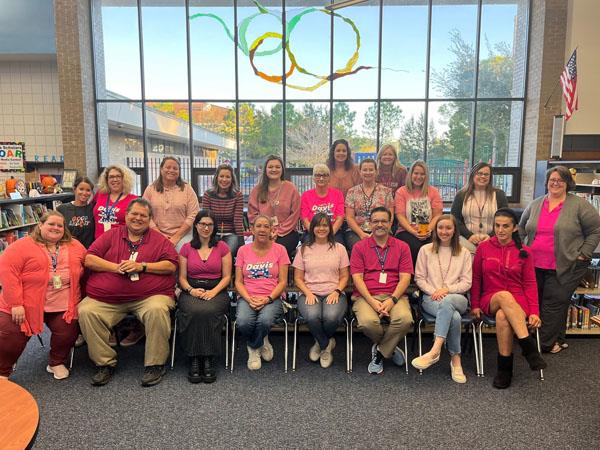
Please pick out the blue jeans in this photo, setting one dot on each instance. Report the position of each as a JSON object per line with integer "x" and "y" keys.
{"x": 447, "y": 314}
{"x": 255, "y": 325}
{"x": 233, "y": 241}
{"x": 322, "y": 319}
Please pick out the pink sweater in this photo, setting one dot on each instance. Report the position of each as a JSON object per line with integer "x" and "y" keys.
{"x": 285, "y": 204}
{"x": 498, "y": 268}
{"x": 455, "y": 273}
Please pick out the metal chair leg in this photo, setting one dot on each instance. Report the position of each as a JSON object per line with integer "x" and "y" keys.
{"x": 286, "y": 345}
{"x": 406, "y": 354}
{"x": 72, "y": 354}
{"x": 420, "y": 344}
{"x": 40, "y": 339}
{"x": 233, "y": 344}
{"x": 475, "y": 347}
{"x": 539, "y": 347}
{"x": 481, "y": 373}
{"x": 351, "y": 344}
{"x": 226, "y": 341}
{"x": 347, "y": 346}
{"x": 295, "y": 345}
{"x": 173, "y": 343}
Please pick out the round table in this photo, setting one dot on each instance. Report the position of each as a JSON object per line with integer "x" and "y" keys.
{"x": 19, "y": 416}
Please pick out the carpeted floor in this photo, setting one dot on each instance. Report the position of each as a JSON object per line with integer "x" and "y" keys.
{"x": 316, "y": 408}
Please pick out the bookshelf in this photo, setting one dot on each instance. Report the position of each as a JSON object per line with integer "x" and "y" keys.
{"x": 17, "y": 216}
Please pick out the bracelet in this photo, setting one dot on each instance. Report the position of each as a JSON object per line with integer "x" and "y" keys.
{"x": 189, "y": 290}
{"x": 339, "y": 291}
{"x": 394, "y": 299}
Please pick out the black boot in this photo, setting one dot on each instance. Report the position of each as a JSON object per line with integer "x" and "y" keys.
{"x": 194, "y": 374}
{"x": 531, "y": 354}
{"x": 505, "y": 370}
{"x": 209, "y": 374}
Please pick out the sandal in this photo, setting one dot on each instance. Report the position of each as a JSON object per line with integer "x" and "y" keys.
{"x": 557, "y": 348}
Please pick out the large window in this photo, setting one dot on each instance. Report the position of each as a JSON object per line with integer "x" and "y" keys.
{"x": 234, "y": 81}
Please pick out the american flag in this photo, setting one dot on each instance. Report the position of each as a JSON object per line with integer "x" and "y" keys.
{"x": 568, "y": 81}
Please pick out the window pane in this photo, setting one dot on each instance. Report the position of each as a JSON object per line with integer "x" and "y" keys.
{"x": 309, "y": 35}
{"x": 165, "y": 49}
{"x": 453, "y": 31}
{"x": 354, "y": 121}
{"x": 498, "y": 133}
{"x": 214, "y": 134}
{"x": 212, "y": 50}
{"x": 261, "y": 134}
{"x": 403, "y": 72}
{"x": 307, "y": 134}
{"x": 503, "y": 48}
{"x": 117, "y": 49}
{"x": 167, "y": 134}
{"x": 504, "y": 182}
{"x": 356, "y": 33}
{"x": 403, "y": 126}
{"x": 120, "y": 133}
{"x": 263, "y": 82}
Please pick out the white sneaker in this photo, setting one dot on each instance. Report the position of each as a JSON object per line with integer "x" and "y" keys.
{"x": 326, "y": 356}
{"x": 315, "y": 352}
{"x": 266, "y": 351}
{"x": 253, "y": 358}
{"x": 60, "y": 372}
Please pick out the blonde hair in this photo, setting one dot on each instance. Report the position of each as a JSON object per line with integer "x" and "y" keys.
{"x": 321, "y": 168}
{"x": 128, "y": 179}
{"x": 36, "y": 234}
{"x": 263, "y": 216}
{"x": 409, "y": 183}
{"x": 396, "y": 166}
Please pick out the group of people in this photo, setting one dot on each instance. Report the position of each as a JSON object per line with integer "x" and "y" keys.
{"x": 101, "y": 257}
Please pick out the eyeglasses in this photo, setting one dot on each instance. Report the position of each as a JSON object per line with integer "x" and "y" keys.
{"x": 321, "y": 175}
{"x": 115, "y": 177}
{"x": 558, "y": 181}
{"x": 205, "y": 225}
{"x": 483, "y": 174}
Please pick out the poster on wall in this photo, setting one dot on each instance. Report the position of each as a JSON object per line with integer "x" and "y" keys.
{"x": 12, "y": 156}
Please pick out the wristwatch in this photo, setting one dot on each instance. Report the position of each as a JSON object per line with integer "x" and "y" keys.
{"x": 339, "y": 291}
{"x": 189, "y": 290}
{"x": 270, "y": 299}
{"x": 394, "y": 299}
{"x": 144, "y": 267}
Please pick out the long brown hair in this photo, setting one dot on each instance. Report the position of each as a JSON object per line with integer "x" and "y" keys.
{"x": 263, "y": 185}
{"x": 158, "y": 183}
{"x": 454, "y": 242}
{"x": 469, "y": 188}
{"x": 36, "y": 234}
{"x": 409, "y": 183}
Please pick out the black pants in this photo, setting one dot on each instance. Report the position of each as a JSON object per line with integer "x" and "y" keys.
{"x": 414, "y": 244}
{"x": 290, "y": 242}
{"x": 555, "y": 298}
{"x": 200, "y": 323}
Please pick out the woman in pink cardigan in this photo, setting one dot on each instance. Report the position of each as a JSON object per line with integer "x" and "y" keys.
{"x": 504, "y": 287}
{"x": 40, "y": 284}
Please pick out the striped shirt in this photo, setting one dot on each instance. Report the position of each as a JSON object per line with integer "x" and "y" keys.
{"x": 228, "y": 211}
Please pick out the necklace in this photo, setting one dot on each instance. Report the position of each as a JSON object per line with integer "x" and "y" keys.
{"x": 275, "y": 202}
{"x": 442, "y": 274}
{"x": 480, "y": 208}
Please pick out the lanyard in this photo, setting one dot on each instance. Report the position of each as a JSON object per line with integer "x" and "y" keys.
{"x": 109, "y": 208}
{"x": 133, "y": 248}
{"x": 382, "y": 258}
{"x": 54, "y": 258}
{"x": 368, "y": 199}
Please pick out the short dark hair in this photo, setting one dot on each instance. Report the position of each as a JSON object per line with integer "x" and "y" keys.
{"x": 381, "y": 209}
{"x": 195, "y": 242}
{"x": 564, "y": 174}
{"x": 142, "y": 202}
{"x": 367, "y": 161}
{"x": 83, "y": 179}
{"x": 508, "y": 212}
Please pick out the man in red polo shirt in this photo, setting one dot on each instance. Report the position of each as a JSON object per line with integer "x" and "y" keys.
{"x": 132, "y": 271}
{"x": 381, "y": 267}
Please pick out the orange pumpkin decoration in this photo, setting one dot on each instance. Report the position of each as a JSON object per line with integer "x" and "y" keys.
{"x": 48, "y": 183}
{"x": 11, "y": 184}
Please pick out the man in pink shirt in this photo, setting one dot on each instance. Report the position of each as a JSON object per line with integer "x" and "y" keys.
{"x": 381, "y": 267}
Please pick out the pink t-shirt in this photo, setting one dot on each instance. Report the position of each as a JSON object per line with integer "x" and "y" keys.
{"x": 106, "y": 212}
{"x": 57, "y": 300}
{"x": 416, "y": 207}
{"x": 321, "y": 265}
{"x": 332, "y": 204}
{"x": 261, "y": 272}
{"x": 211, "y": 269}
{"x": 543, "y": 243}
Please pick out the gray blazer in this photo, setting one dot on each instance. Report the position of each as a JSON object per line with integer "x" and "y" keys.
{"x": 577, "y": 232}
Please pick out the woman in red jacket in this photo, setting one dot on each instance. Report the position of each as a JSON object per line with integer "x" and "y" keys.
{"x": 40, "y": 284}
{"x": 504, "y": 287}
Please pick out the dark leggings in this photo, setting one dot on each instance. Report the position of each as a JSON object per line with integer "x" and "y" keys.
{"x": 414, "y": 244}
{"x": 290, "y": 242}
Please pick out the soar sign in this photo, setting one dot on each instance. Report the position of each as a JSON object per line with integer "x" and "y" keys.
{"x": 12, "y": 156}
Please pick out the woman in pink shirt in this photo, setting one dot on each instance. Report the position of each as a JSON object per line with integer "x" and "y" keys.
{"x": 321, "y": 273}
{"x": 418, "y": 205}
{"x": 261, "y": 270}
{"x": 504, "y": 287}
{"x": 391, "y": 173}
{"x": 174, "y": 203}
{"x": 323, "y": 199}
{"x": 278, "y": 199}
{"x": 40, "y": 278}
{"x": 344, "y": 173}
{"x": 443, "y": 273}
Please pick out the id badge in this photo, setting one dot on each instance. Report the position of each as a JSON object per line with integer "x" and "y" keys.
{"x": 274, "y": 221}
{"x": 56, "y": 282}
{"x": 133, "y": 256}
{"x": 382, "y": 277}
{"x": 134, "y": 276}
{"x": 106, "y": 226}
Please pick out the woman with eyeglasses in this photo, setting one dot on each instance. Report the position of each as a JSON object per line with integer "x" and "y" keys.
{"x": 417, "y": 205}
{"x": 278, "y": 199}
{"x": 563, "y": 231}
{"x": 344, "y": 173}
{"x": 114, "y": 194}
{"x": 361, "y": 199}
{"x": 205, "y": 266}
{"x": 504, "y": 287}
{"x": 323, "y": 199}
{"x": 226, "y": 202}
{"x": 321, "y": 273}
{"x": 174, "y": 203}
{"x": 474, "y": 207}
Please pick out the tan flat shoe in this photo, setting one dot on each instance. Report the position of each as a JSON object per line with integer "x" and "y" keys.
{"x": 60, "y": 372}
{"x": 457, "y": 374}
{"x": 424, "y": 362}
